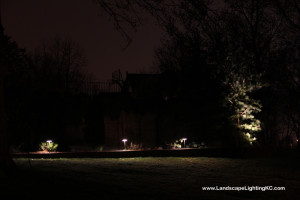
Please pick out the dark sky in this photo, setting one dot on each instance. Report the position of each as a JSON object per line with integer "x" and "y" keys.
{"x": 29, "y": 22}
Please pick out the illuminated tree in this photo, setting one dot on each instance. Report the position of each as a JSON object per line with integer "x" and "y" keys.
{"x": 243, "y": 106}
{"x": 253, "y": 33}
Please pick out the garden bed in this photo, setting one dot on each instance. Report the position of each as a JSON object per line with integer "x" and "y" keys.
{"x": 207, "y": 152}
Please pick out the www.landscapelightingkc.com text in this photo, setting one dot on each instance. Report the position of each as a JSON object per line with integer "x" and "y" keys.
{"x": 243, "y": 188}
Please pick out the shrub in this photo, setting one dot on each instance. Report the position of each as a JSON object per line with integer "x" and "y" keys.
{"x": 48, "y": 146}
{"x": 176, "y": 144}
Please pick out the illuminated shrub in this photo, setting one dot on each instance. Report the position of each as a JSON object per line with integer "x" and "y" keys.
{"x": 49, "y": 146}
{"x": 176, "y": 144}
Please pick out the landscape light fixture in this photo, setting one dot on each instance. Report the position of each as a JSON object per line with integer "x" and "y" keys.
{"x": 124, "y": 140}
{"x": 49, "y": 142}
{"x": 184, "y": 139}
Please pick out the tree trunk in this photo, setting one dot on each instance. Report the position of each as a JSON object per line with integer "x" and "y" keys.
{"x": 6, "y": 162}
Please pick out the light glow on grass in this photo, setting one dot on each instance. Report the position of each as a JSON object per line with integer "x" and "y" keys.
{"x": 171, "y": 176}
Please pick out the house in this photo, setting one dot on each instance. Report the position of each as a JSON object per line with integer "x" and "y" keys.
{"x": 145, "y": 109}
{"x": 137, "y": 117}
{"x": 149, "y": 114}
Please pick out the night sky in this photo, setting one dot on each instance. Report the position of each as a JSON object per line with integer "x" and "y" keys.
{"x": 32, "y": 21}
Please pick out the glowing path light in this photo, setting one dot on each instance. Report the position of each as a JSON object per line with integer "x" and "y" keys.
{"x": 49, "y": 142}
{"x": 124, "y": 140}
{"x": 184, "y": 139}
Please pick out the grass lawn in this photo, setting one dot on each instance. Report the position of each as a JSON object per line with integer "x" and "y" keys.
{"x": 151, "y": 178}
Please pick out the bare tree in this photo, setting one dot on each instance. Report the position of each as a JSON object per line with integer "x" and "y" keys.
{"x": 171, "y": 15}
{"x": 59, "y": 66}
{"x": 10, "y": 57}
{"x": 290, "y": 10}
{"x": 64, "y": 59}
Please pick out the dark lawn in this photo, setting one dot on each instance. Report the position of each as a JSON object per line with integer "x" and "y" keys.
{"x": 150, "y": 178}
